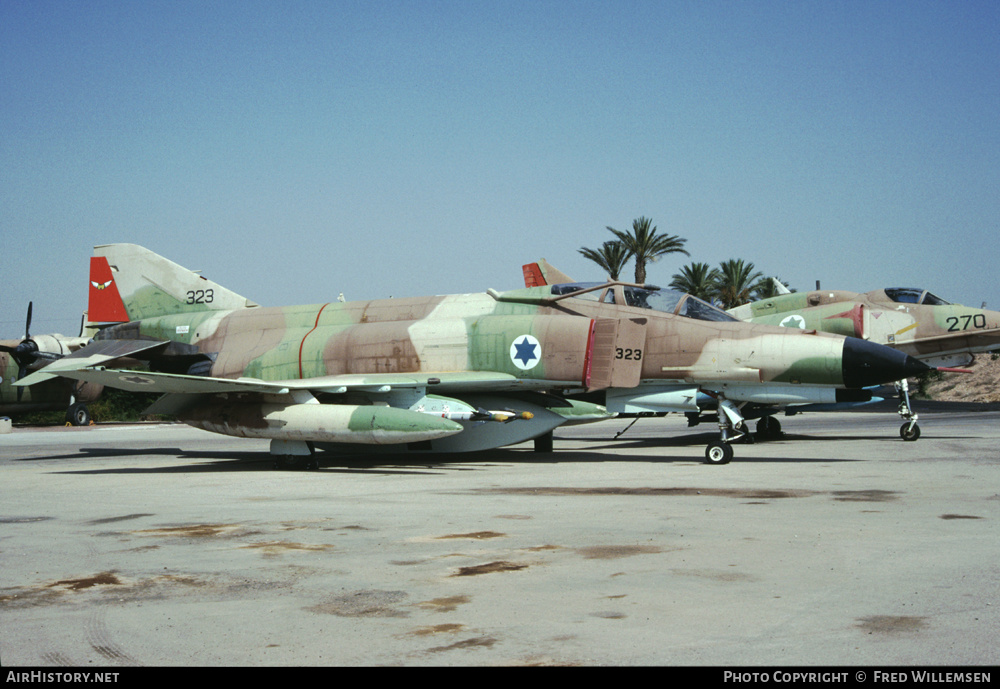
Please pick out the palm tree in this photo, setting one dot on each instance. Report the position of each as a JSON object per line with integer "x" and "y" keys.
{"x": 646, "y": 246}
{"x": 737, "y": 282}
{"x": 698, "y": 279}
{"x": 612, "y": 257}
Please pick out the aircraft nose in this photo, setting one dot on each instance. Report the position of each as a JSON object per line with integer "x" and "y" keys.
{"x": 866, "y": 363}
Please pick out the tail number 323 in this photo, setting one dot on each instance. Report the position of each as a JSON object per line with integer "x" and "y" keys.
{"x": 200, "y": 296}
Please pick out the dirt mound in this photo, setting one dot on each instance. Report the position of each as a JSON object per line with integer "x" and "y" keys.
{"x": 982, "y": 385}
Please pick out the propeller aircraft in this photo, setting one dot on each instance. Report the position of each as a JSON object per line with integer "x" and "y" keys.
{"x": 20, "y": 357}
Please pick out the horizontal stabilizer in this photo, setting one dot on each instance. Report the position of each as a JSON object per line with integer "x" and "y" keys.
{"x": 93, "y": 354}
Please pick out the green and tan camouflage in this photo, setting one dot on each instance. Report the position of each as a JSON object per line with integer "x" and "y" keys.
{"x": 910, "y": 320}
{"x": 445, "y": 373}
{"x": 913, "y": 321}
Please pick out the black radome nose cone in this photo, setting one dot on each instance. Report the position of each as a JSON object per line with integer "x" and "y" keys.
{"x": 866, "y": 363}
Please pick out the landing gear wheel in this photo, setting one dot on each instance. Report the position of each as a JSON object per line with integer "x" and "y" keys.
{"x": 77, "y": 415}
{"x": 543, "y": 443}
{"x": 295, "y": 462}
{"x": 909, "y": 431}
{"x": 718, "y": 453}
{"x": 768, "y": 428}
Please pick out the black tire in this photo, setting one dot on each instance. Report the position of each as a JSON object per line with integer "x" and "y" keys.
{"x": 295, "y": 462}
{"x": 768, "y": 428}
{"x": 908, "y": 433}
{"x": 543, "y": 443}
{"x": 718, "y": 453}
{"x": 78, "y": 415}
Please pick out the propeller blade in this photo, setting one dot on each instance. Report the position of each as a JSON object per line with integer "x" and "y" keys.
{"x": 27, "y": 353}
{"x": 24, "y": 353}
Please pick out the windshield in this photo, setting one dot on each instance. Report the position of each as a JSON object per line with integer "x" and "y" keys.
{"x": 934, "y": 300}
{"x": 693, "y": 307}
{"x": 910, "y": 295}
{"x": 653, "y": 298}
{"x": 570, "y": 287}
{"x": 678, "y": 303}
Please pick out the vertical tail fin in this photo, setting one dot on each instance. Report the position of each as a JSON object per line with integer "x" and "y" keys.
{"x": 779, "y": 286}
{"x": 132, "y": 283}
{"x": 543, "y": 273}
{"x": 532, "y": 275}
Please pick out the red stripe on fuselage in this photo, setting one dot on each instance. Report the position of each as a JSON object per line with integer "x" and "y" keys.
{"x": 303, "y": 343}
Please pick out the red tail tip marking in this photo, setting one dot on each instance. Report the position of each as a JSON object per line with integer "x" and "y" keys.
{"x": 105, "y": 303}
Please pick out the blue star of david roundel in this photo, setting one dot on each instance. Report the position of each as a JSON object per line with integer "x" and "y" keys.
{"x": 526, "y": 352}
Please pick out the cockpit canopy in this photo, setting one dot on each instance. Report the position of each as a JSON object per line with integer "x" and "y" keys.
{"x": 654, "y": 298}
{"x": 912, "y": 295}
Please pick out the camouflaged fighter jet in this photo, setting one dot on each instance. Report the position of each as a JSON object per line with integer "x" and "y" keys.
{"x": 443, "y": 373}
{"x": 20, "y": 357}
{"x": 913, "y": 321}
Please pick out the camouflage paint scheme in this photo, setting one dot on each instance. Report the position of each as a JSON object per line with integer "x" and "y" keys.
{"x": 913, "y": 321}
{"x": 442, "y": 373}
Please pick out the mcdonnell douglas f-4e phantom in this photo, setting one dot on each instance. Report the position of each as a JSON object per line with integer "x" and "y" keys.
{"x": 443, "y": 373}
{"x": 913, "y": 321}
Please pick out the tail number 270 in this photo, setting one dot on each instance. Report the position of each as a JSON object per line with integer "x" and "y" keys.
{"x": 959, "y": 323}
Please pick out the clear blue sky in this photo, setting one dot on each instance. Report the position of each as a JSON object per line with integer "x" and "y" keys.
{"x": 294, "y": 150}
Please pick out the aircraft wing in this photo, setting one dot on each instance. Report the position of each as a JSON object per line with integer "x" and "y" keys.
{"x": 91, "y": 355}
{"x": 180, "y": 392}
{"x": 973, "y": 340}
{"x": 146, "y": 381}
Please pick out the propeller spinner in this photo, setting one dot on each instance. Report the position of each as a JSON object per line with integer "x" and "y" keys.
{"x": 25, "y": 353}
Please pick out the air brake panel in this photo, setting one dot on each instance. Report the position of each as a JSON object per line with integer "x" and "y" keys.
{"x": 616, "y": 351}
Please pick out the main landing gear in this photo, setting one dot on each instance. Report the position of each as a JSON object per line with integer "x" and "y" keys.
{"x": 295, "y": 463}
{"x": 294, "y": 455}
{"x": 77, "y": 415}
{"x": 769, "y": 428}
{"x": 732, "y": 427}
